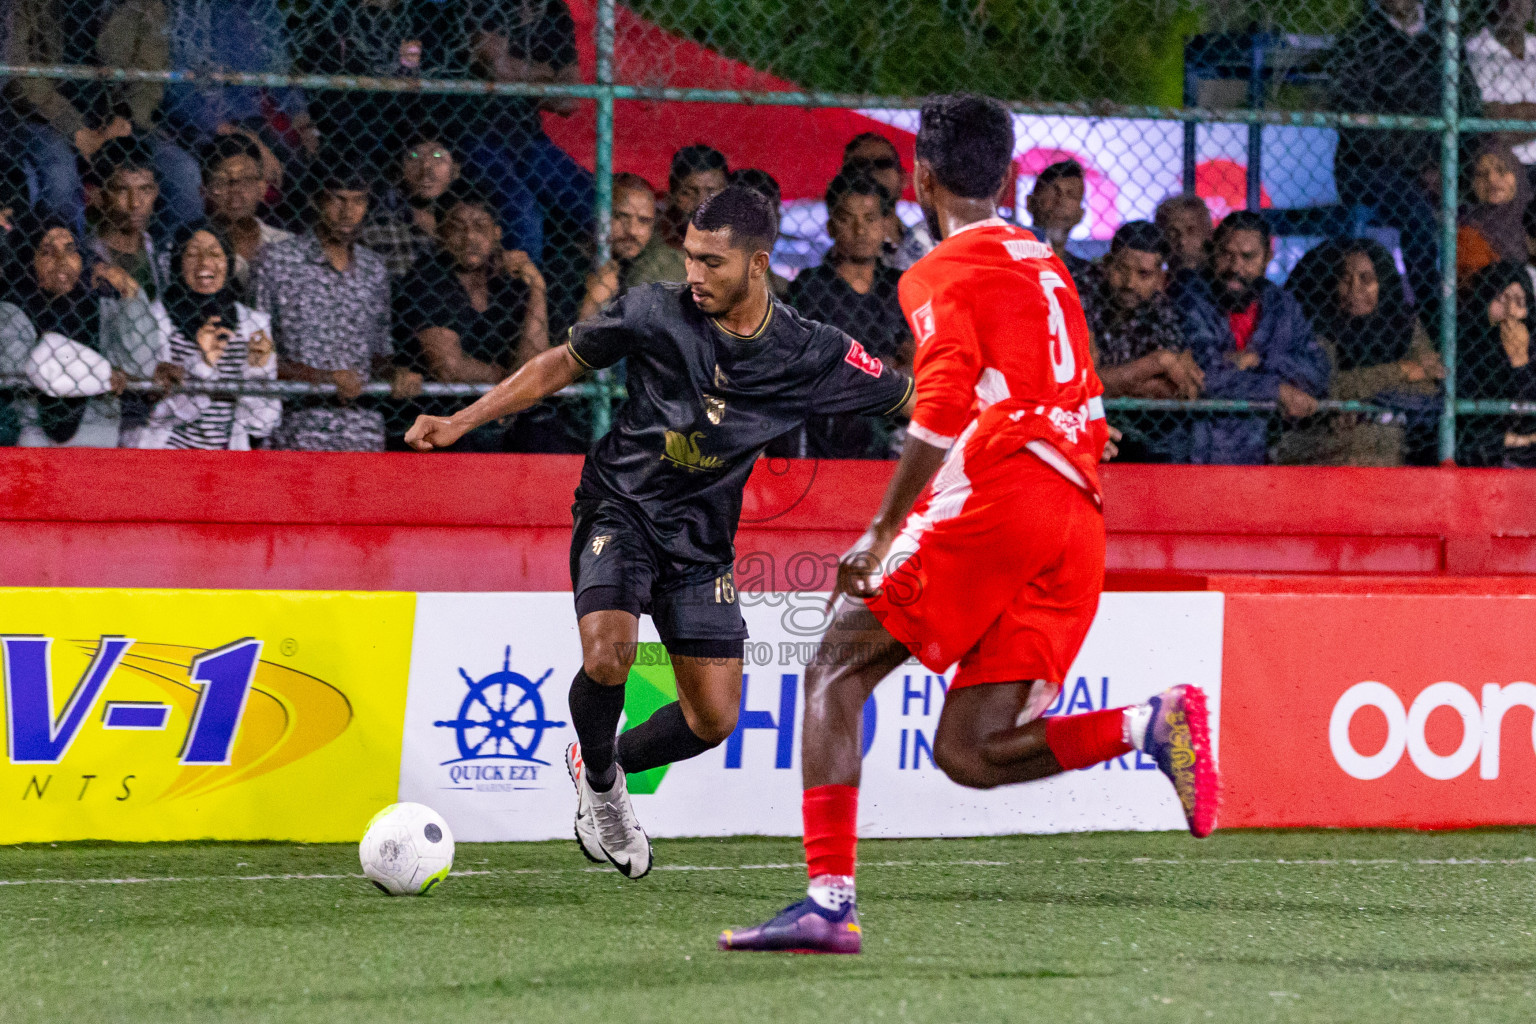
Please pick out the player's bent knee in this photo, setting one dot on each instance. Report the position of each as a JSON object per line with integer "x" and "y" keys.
{"x": 609, "y": 663}
{"x": 713, "y": 725}
{"x": 964, "y": 766}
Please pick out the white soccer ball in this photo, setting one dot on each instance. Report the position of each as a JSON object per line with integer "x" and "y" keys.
{"x": 407, "y": 849}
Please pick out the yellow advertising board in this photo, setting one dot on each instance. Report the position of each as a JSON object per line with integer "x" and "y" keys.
{"x": 187, "y": 714}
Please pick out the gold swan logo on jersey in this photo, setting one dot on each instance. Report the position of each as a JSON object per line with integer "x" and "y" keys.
{"x": 684, "y": 451}
{"x": 714, "y": 409}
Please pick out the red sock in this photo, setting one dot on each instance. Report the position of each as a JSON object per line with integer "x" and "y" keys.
{"x": 1082, "y": 740}
{"x": 831, "y": 829}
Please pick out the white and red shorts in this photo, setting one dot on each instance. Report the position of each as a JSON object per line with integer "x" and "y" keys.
{"x": 1002, "y": 574}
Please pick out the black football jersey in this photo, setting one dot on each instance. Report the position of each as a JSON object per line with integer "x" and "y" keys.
{"x": 704, "y": 402}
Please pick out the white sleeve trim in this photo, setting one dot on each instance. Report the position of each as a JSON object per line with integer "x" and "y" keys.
{"x": 927, "y": 436}
{"x": 1095, "y": 408}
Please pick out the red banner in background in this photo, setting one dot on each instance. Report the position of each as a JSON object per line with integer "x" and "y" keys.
{"x": 1353, "y": 710}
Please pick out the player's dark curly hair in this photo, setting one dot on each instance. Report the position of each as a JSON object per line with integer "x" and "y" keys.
{"x": 746, "y": 211}
{"x": 968, "y": 143}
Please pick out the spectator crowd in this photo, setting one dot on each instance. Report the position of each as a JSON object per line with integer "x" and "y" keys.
{"x": 192, "y": 231}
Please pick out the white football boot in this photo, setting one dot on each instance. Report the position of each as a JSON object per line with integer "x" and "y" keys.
{"x": 586, "y": 824}
{"x": 623, "y": 841}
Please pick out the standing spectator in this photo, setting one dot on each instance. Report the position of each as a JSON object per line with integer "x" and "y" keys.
{"x": 1528, "y": 223}
{"x": 1251, "y": 340}
{"x": 62, "y": 120}
{"x": 855, "y": 292}
{"x": 123, "y": 193}
{"x": 68, "y": 341}
{"x": 766, "y": 184}
{"x": 1379, "y": 352}
{"x": 1502, "y": 57}
{"x": 904, "y": 246}
{"x": 1138, "y": 342}
{"x": 1491, "y": 226}
{"x": 633, "y": 224}
{"x": 1389, "y": 62}
{"x": 697, "y": 173}
{"x": 234, "y": 189}
{"x": 1185, "y": 221}
{"x": 328, "y": 298}
{"x": 382, "y": 39}
{"x": 403, "y": 226}
{"x": 503, "y": 138}
{"x": 236, "y": 35}
{"x": 1055, "y": 207}
{"x": 474, "y": 312}
{"x": 204, "y": 330}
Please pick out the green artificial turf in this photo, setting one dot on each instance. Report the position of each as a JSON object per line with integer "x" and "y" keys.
{"x": 1245, "y": 927}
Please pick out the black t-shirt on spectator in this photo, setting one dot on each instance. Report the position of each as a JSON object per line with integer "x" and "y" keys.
{"x": 432, "y": 296}
{"x": 873, "y": 319}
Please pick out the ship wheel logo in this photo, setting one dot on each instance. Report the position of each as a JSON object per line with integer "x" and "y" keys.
{"x": 502, "y": 717}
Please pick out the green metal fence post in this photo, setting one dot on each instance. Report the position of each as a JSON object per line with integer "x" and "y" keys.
{"x": 1450, "y": 139}
{"x": 602, "y": 168}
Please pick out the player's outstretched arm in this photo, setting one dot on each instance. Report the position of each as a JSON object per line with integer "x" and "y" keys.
{"x": 858, "y": 573}
{"x": 538, "y": 378}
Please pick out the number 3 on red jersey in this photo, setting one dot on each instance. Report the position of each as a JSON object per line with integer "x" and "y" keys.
{"x": 1063, "y": 362}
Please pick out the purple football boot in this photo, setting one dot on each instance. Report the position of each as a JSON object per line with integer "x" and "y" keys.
{"x": 805, "y": 927}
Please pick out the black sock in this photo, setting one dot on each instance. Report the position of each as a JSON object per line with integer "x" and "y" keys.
{"x": 595, "y": 711}
{"x": 661, "y": 739}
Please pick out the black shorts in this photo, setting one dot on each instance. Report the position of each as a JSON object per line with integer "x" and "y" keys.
{"x": 614, "y": 565}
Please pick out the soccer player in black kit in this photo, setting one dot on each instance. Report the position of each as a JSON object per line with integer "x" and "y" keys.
{"x": 717, "y": 368}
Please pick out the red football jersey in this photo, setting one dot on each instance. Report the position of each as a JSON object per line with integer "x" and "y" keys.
{"x": 1003, "y": 360}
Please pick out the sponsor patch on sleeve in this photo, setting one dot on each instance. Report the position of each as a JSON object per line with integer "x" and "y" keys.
{"x": 922, "y": 322}
{"x": 861, "y": 360}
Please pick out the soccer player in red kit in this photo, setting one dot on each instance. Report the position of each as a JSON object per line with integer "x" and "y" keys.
{"x": 998, "y": 570}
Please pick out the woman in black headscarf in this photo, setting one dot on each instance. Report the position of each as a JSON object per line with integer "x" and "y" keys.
{"x": 57, "y": 330}
{"x": 1493, "y": 362}
{"x": 210, "y": 336}
{"x": 1380, "y": 353}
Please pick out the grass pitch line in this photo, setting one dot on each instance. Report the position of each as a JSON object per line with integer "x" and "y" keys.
{"x": 1136, "y": 861}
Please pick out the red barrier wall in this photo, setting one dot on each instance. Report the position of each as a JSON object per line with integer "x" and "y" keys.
{"x": 501, "y": 522}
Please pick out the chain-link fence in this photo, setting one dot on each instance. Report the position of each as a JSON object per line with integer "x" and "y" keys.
{"x": 1302, "y": 232}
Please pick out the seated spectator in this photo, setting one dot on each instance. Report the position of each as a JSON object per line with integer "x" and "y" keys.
{"x": 1055, "y": 207}
{"x": 879, "y": 156}
{"x": 1493, "y": 360}
{"x": 234, "y": 189}
{"x": 1251, "y": 340}
{"x": 123, "y": 193}
{"x": 206, "y": 332}
{"x": 328, "y": 298}
{"x": 473, "y": 313}
{"x": 1502, "y": 58}
{"x": 69, "y": 342}
{"x": 1389, "y": 61}
{"x": 1185, "y": 221}
{"x": 855, "y": 292}
{"x": 1138, "y": 343}
{"x": 1491, "y": 226}
{"x": 402, "y": 227}
{"x": 697, "y": 173}
{"x": 632, "y": 225}
{"x": 766, "y": 184}
{"x": 62, "y": 120}
{"x": 1379, "y": 352}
